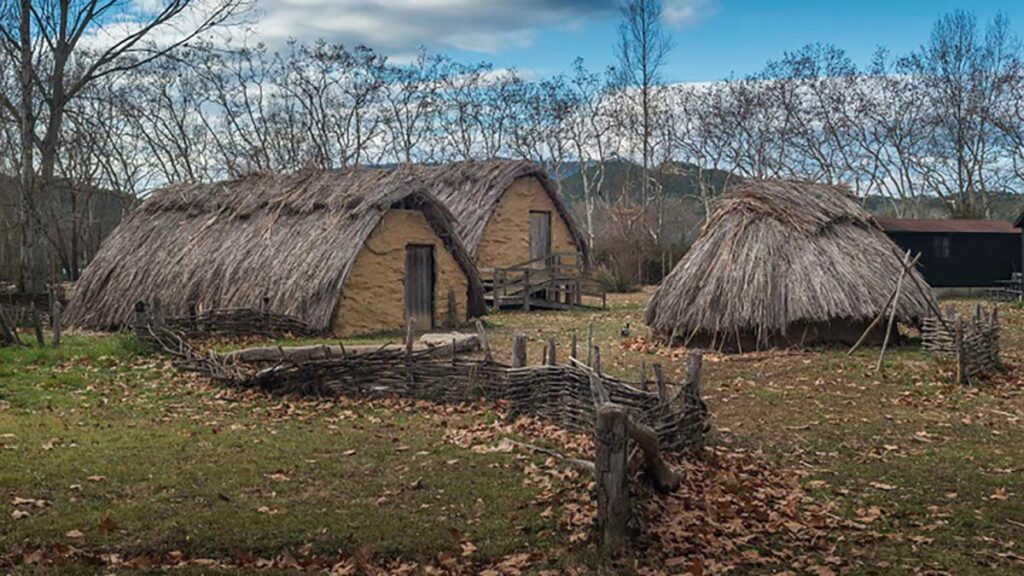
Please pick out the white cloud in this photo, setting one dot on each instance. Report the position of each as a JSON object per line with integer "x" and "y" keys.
{"x": 689, "y": 12}
{"x": 401, "y": 26}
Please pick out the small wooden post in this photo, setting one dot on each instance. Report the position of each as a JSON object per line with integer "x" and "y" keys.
{"x": 37, "y": 323}
{"x": 552, "y": 352}
{"x": 572, "y": 346}
{"x": 55, "y": 321}
{"x": 694, "y": 370}
{"x": 482, "y": 335}
{"x": 408, "y": 336}
{"x": 453, "y": 312}
{"x": 659, "y": 379}
{"x": 519, "y": 351}
{"x": 611, "y": 471}
{"x": 597, "y": 359}
{"x": 526, "y": 290}
{"x": 643, "y": 376}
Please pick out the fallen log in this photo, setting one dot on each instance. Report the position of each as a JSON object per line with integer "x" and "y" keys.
{"x": 435, "y": 342}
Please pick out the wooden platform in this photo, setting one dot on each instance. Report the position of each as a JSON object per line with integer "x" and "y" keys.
{"x": 554, "y": 282}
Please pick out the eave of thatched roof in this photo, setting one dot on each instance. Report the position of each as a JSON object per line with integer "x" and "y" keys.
{"x": 777, "y": 254}
{"x": 472, "y": 190}
{"x": 292, "y": 238}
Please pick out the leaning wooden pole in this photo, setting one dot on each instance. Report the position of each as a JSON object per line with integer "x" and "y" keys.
{"x": 892, "y": 317}
{"x": 881, "y": 314}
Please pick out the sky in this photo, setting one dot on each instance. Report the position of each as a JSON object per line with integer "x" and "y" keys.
{"x": 713, "y": 38}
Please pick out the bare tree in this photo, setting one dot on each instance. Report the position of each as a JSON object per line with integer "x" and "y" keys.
{"x": 60, "y": 47}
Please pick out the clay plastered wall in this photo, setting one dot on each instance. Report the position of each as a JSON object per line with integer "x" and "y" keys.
{"x": 506, "y": 237}
{"x": 373, "y": 297}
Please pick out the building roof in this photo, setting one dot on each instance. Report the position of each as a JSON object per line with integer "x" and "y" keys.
{"x": 775, "y": 255}
{"x": 948, "y": 226}
{"x": 290, "y": 237}
{"x": 472, "y": 190}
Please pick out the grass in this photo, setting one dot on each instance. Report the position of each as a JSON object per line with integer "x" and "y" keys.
{"x": 141, "y": 460}
{"x": 926, "y": 473}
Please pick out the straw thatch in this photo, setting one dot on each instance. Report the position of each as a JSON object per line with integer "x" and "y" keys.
{"x": 472, "y": 190}
{"x": 782, "y": 263}
{"x": 292, "y": 238}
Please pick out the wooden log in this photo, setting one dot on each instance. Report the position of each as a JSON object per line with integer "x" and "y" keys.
{"x": 38, "y": 325}
{"x": 439, "y": 343}
{"x": 664, "y": 478}
{"x": 659, "y": 379}
{"x": 519, "y": 351}
{"x": 612, "y": 481}
{"x": 55, "y": 315}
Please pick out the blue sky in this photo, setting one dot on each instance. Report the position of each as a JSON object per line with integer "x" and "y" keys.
{"x": 714, "y": 38}
{"x": 739, "y": 36}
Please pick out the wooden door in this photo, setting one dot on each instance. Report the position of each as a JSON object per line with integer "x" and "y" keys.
{"x": 540, "y": 236}
{"x": 419, "y": 286}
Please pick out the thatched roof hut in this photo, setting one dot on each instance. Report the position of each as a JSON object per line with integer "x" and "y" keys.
{"x": 783, "y": 263}
{"x": 331, "y": 248}
{"x": 507, "y": 210}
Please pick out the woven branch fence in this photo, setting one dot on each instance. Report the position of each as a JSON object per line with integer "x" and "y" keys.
{"x": 973, "y": 342}
{"x": 559, "y": 393}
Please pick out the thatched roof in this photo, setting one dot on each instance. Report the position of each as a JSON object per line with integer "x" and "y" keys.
{"x": 292, "y": 238}
{"x": 472, "y": 190}
{"x": 775, "y": 255}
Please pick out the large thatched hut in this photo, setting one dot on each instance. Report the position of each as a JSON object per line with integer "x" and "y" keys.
{"x": 781, "y": 264}
{"x": 508, "y": 211}
{"x": 348, "y": 252}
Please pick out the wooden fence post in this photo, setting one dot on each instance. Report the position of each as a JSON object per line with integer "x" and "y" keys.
{"x": 610, "y": 466}
{"x": 408, "y": 336}
{"x": 193, "y": 317}
{"x": 572, "y": 346}
{"x": 659, "y": 379}
{"x": 643, "y": 376}
{"x": 694, "y": 371}
{"x": 958, "y": 344}
{"x": 590, "y": 344}
{"x": 519, "y": 351}
{"x": 482, "y": 335}
{"x": 10, "y": 334}
{"x": 597, "y": 359}
{"x": 552, "y": 352}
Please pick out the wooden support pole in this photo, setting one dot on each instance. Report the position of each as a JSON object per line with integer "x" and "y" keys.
{"x": 659, "y": 379}
{"x": 519, "y": 351}
{"x": 526, "y": 290}
{"x": 958, "y": 343}
{"x": 892, "y": 296}
{"x": 55, "y": 315}
{"x": 892, "y": 316}
{"x": 611, "y": 471}
{"x": 38, "y": 324}
{"x": 482, "y": 335}
{"x": 552, "y": 352}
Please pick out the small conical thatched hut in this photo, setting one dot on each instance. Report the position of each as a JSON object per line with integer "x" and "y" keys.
{"x": 349, "y": 252}
{"x": 782, "y": 264}
{"x": 508, "y": 211}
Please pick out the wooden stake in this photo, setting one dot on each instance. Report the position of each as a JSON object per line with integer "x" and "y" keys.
{"x": 659, "y": 379}
{"x": 572, "y": 345}
{"x": 892, "y": 317}
{"x": 590, "y": 344}
{"x": 10, "y": 334}
{"x": 881, "y": 314}
{"x": 552, "y": 352}
{"x": 482, "y": 335}
{"x": 37, "y": 323}
{"x": 611, "y": 472}
{"x": 519, "y": 351}
{"x": 643, "y": 376}
{"x": 694, "y": 371}
{"x": 408, "y": 336}
{"x": 597, "y": 359}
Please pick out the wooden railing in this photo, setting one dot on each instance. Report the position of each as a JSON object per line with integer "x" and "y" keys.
{"x": 559, "y": 277}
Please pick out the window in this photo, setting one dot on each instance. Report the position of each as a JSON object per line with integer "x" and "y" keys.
{"x": 940, "y": 245}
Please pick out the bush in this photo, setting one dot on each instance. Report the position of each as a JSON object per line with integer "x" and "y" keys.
{"x": 614, "y": 282}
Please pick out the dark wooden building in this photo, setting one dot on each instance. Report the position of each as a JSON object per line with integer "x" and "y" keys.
{"x": 960, "y": 253}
